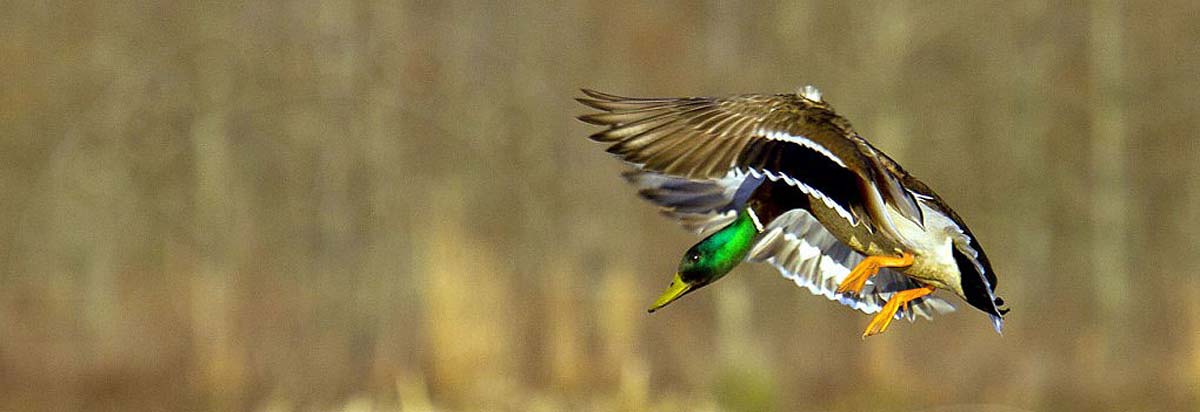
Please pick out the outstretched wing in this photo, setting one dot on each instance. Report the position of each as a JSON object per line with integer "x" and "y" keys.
{"x": 784, "y": 137}
{"x": 803, "y": 251}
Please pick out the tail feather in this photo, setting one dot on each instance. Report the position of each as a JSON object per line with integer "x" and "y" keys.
{"x": 978, "y": 291}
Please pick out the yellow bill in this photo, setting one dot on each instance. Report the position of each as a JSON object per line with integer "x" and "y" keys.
{"x": 678, "y": 288}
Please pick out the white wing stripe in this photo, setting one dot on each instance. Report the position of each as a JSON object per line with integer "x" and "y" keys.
{"x": 774, "y": 176}
{"x": 800, "y": 140}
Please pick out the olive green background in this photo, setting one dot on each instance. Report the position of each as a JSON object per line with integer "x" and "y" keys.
{"x": 381, "y": 205}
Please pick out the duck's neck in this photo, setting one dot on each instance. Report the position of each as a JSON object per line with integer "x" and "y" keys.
{"x": 730, "y": 245}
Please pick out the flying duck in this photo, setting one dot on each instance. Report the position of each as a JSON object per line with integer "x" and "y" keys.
{"x": 785, "y": 180}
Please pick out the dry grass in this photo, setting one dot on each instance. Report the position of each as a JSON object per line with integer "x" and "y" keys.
{"x": 380, "y": 206}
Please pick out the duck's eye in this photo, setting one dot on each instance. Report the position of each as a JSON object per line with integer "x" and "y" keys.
{"x": 695, "y": 257}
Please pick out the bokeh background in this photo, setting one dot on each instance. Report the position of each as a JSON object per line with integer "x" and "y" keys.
{"x": 378, "y": 205}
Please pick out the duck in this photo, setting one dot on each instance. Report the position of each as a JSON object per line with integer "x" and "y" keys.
{"x": 783, "y": 179}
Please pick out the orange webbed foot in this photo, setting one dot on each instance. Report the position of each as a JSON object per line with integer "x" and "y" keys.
{"x": 869, "y": 267}
{"x": 885, "y": 316}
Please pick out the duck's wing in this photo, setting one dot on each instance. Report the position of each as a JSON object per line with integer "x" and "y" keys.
{"x": 785, "y": 137}
{"x": 700, "y": 206}
{"x": 805, "y": 252}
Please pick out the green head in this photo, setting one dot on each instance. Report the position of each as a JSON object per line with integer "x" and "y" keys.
{"x": 711, "y": 259}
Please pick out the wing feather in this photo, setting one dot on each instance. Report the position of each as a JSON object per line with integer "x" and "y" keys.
{"x": 786, "y": 135}
{"x": 700, "y": 206}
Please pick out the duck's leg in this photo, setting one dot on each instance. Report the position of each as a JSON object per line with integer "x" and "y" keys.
{"x": 884, "y": 318}
{"x": 869, "y": 267}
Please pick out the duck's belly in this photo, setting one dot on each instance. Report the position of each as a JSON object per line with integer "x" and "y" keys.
{"x": 933, "y": 261}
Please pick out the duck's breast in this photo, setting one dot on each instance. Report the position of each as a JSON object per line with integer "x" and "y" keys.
{"x": 934, "y": 257}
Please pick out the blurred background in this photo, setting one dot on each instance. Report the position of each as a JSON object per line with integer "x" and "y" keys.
{"x": 378, "y": 205}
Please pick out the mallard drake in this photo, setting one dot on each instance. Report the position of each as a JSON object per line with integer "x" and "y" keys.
{"x": 783, "y": 179}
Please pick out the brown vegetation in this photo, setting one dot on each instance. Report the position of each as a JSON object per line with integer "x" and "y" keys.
{"x": 371, "y": 205}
